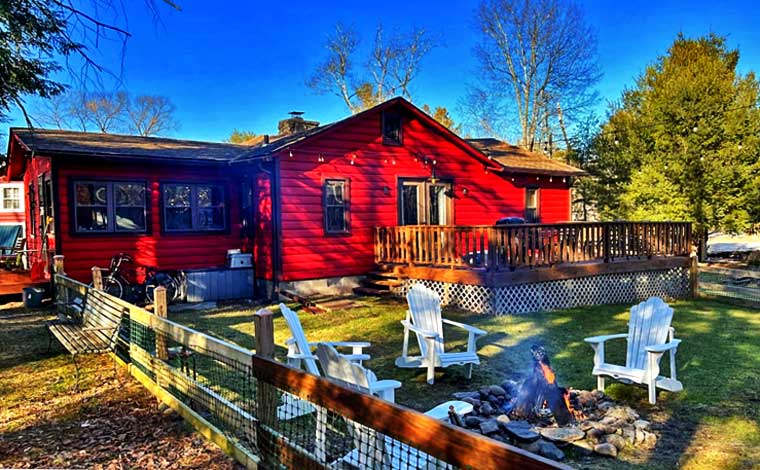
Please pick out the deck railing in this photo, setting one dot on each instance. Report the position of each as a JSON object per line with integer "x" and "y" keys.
{"x": 529, "y": 245}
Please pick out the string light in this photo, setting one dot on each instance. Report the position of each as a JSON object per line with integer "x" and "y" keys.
{"x": 550, "y": 179}
{"x": 290, "y": 153}
{"x": 393, "y": 161}
{"x": 563, "y": 180}
{"x": 321, "y": 159}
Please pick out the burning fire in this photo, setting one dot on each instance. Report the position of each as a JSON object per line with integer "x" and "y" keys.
{"x": 577, "y": 414}
{"x": 548, "y": 373}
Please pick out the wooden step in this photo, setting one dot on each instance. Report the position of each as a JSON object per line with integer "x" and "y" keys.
{"x": 368, "y": 291}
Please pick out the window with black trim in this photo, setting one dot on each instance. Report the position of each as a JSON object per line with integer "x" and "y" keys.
{"x": 392, "y": 131}
{"x": 190, "y": 207}
{"x": 335, "y": 206}
{"x": 110, "y": 207}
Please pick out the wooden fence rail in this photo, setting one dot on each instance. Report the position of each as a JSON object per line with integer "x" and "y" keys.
{"x": 232, "y": 395}
{"x": 530, "y": 245}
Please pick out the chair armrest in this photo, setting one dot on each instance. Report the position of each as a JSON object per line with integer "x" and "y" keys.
{"x": 471, "y": 329}
{"x": 660, "y": 348}
{"x": 100, "y": 329}
{"x": 343, "y": 344}
{"x": 381, "y": 385}
{"x": 355, "y": 357}
{"x": 301, "y": 356}
{"x": 603, "y": 338}
{"x": 425, "y": 333}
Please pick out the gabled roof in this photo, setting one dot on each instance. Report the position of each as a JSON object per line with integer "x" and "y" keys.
{"x": 49, "y": 141}
{"x": 518, "y": 160}
{"x": 278, "y": 144}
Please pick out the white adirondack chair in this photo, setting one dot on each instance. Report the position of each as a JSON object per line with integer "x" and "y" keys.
{"x": 300, "y": 356}
{"x": 372, "y": 449}
{"x": 424, "y": 319}
{"x": 649, "y": 337}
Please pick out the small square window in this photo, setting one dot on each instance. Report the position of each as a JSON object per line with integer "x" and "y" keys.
{"x": 392, "y": 132}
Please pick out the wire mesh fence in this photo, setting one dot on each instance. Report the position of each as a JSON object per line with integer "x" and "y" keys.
{"x": 730, "y": 284}
{"x": 275, "y": 417}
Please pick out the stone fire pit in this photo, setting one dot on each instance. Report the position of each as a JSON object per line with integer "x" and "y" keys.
{"x": 600, "y": 426}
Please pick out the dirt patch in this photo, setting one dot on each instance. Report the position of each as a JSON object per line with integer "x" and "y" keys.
{"x": 109, "y": 422}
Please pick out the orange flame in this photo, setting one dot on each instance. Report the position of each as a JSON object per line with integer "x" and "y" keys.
{"x": 577, "y": 414}
{"x": 548, "y": 373}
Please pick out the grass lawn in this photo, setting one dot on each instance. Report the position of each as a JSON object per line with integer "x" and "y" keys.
{"x": 713, "y": 424}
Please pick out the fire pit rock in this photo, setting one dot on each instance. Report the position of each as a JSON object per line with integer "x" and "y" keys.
{"x": 522, "y": 431}
{"x": 598, "y": 425}
{"x": 567, "y": 434}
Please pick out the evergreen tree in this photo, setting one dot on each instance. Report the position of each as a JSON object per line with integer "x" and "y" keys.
{"x": 684, "y": 143}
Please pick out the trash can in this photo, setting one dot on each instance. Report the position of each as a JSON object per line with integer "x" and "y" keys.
{"x": 33, "y": 297}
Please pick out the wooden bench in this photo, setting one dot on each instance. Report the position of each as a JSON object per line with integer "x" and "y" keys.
{"x": 95, "y": 333}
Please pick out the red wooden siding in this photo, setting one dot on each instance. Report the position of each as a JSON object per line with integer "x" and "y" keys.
{"x": 165, "y": 251}
{"x": 308, "y": 253}
{"x": 262, "y": 243}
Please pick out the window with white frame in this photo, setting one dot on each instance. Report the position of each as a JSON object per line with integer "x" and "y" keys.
{"x": 11, "y": 198}
{"x": 193, "y": 207}
{"x": 110, "y": 207}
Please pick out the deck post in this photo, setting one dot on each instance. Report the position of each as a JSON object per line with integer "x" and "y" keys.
{"x": 97, "y": 278}
{"x": 606, "y": 242}
{"x": 58, "y": 265}
{"x": 266, "y": 396}
{"x": 161, "y": 310}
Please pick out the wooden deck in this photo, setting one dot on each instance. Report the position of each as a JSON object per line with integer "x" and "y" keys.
{"x": 11, "y": 282}
{"x": 527, "y": 253}
{"x": 526, "y": 275}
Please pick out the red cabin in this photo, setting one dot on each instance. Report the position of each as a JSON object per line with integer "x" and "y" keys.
{"x": 304, "y": 203}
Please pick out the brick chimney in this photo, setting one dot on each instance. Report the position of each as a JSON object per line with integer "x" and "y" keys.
{"x": 295, "y": 123}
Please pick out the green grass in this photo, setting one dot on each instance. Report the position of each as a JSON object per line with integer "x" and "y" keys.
{"x": 714, "y": 423}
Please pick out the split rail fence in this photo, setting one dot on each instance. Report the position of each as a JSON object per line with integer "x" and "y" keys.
{"x": 267, "y": 415}
{"x": 496, "y": 248}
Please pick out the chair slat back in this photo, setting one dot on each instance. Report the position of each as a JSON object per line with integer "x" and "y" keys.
{"x": 302, "y": 344}
{"x": 369, "y": 445}
{"x": 648, "y": 326}
{"x": 338, "y": 367}
{"x": 425, "y": 309}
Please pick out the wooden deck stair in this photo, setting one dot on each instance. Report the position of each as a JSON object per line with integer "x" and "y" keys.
{"x": 378, "y": 283}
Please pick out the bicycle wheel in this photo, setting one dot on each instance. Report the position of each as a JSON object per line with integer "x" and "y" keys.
{"x": 164, "y": 280}
{"x": 113, "y": 286}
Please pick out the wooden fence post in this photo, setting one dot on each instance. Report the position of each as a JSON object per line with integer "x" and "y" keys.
{"x": 266, "y": 396}
{"x": 58, "y": 265}
{"x": 161, "y": 309}
{"x": 97, "y": 278}
{"x": 694, "y": 276}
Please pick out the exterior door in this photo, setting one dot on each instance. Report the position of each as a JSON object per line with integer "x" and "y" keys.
{"x": 424, "y": 203}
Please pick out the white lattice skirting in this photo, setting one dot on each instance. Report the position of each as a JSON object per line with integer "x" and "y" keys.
{"x": 555, "y": 295}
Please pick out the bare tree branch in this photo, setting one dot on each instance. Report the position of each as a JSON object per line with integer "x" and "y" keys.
{"x": 542, "y": 52}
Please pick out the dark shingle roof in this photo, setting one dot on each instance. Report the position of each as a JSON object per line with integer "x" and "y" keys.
{"x": 126, "y": 146}
{"x": 519, "y": 160}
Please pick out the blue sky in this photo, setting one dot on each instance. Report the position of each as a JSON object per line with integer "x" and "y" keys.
{"x": 244, "y": 64}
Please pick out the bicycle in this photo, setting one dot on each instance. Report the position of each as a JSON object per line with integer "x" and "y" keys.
{"x": 115, "y": 282}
